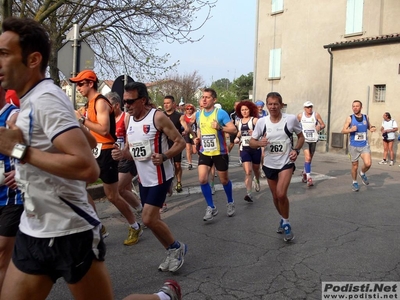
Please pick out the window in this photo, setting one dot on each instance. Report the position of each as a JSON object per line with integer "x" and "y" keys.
{"x": 354, "y": 16}
{"x": 275, "y": 63}
{"x": 277, "y": 6}
{"x": 380, "y": 93}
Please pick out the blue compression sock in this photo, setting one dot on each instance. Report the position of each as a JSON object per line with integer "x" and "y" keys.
{"x": 228, "y": 191}
{"x": 307, "y": 167}
{"x": 174, "y": 245}
{"x": 206, "y": 189}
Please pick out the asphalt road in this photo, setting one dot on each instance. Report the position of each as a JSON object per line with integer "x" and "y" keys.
{"x": 340, "y": 236}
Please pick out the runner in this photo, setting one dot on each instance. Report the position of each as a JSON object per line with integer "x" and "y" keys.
{"x": 147, "y": 134}
{"x": 275, "y": 133}
{"x": 247, "y": 113}
{"x": 312, "y": 123}
{"x": 357, "y": 125}
{"x": 101, "y": 123}
{"x": 213, "y": 123}
{"x": 190, "y": 119}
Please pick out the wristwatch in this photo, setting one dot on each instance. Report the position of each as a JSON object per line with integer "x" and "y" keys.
{"x": 297, "y": 150}
{"x": 19, "y": 151}
{"x": 82, "y": 120}
{"x": 164, "y": 157}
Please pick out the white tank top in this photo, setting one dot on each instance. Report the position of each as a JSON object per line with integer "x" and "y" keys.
{"x": 144, "y": 139}
{"x": 309, "y": 131}
{"x": 276, "y": 154}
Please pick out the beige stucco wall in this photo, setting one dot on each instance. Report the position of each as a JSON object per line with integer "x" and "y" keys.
{"x": 301, "y": 31}
{"x": 355, "y": 73}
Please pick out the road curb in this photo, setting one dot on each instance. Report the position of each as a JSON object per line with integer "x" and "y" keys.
{"x": 96, "y": 191}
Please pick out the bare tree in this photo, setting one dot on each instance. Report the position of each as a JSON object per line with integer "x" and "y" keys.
{"x": 185, "y": 86}
{"x": 123, "y": 33}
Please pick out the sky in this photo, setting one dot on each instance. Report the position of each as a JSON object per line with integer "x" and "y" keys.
{"x": 227, "y": 48}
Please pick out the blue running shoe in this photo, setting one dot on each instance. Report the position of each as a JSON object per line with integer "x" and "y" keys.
{"x": 355, "y": 187}
{"x": 364, "y": 179}
{"x": 280, "y": 229}
{"x": 289, "y": 236}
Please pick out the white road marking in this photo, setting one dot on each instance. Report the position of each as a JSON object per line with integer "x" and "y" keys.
{"x": 240, "y": 185}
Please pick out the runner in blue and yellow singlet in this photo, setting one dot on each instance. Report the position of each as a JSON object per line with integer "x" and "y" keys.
{"x": 213, "y": 123}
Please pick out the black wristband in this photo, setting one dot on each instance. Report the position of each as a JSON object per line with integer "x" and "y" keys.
{"x": 164, "y": 157}
{"x": 297, "y": 150}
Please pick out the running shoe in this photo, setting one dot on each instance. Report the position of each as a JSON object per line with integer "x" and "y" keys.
{"x": 364, "y": 179}
{"x": 210, "y": 213}
{"x": 172, "y": 289}
{"x": 164, "y": 266}
{"x": 230, "y": 209}
{"x": 256, "y": 184}
{"x": 310, "y": 182}
{"x": 178, "y": 187}
{"x": 164, "y": 208}
{"x": 190, "y": 167}
{"x": 133, "y": 236}
{"x": 104, "y": 233}
{"x": 212, "y": 188}
{"x": 382, "y": 162}
{"x": 304, "y": 177}
{"x": 289, "y": 236}
{"x": 391, "y": 163}
{"x": 355, "y": 187}
{"x": 248, "y": 198}
{"x": 280, "y": 229}
{"x": 177, "y": 258}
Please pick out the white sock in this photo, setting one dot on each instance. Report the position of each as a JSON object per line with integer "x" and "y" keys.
{"x": 354, "y": 181}
{"x": 285, "y": 221}
{"x": 361, "y": 173}
{"x": 135, "y": 225}
{"x": 163, "y": 296}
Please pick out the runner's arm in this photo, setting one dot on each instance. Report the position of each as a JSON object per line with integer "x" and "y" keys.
{"x": 102, "y": 126}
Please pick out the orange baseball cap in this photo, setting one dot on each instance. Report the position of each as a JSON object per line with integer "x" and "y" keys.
{"x": 85, "y": 75}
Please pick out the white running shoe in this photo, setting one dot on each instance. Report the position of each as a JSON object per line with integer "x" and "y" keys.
{"x": 177, "y": 257}
{"x": 230, "y": 209}
{"x": 256, "y": 184}
{"x": 210, "y": 213}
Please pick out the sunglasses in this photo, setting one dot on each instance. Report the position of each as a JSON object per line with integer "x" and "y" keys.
{"x": 82, "y": 83}
{"x": 189, "y": 108}
{"x": 131, "y": 101}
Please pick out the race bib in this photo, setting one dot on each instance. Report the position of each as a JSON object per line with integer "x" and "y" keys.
{"x": 209, "y": 142}
{"x": 120, "y": 142}
{"x": 96, "y": 151}
{"x": 360, "y": 136}
{"x": 140, "y": 150}
{"x": 309, "y": 134}
{"x": 245, "y": 141}
{"x": 276, "y": 147}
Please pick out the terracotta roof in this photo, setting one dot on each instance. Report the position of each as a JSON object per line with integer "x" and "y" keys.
{"x": 366, "y": 41}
